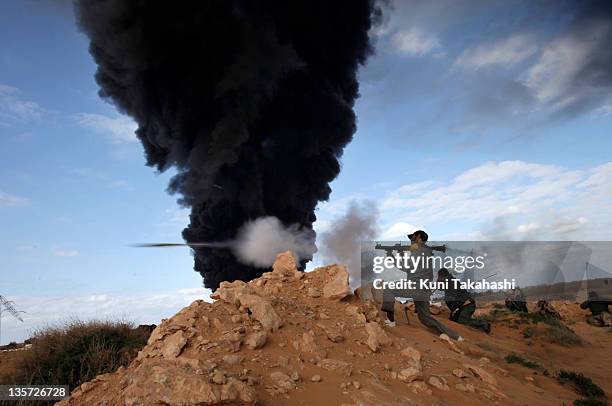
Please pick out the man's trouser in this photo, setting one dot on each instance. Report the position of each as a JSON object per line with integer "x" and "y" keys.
{"x": 465, "y": 316}
{"x": 425, "y": 317}
{"x": 422, "y": 309}
{"x": 603, "y": 319}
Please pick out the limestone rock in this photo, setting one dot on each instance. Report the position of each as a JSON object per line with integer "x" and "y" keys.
{"x": 262, "y": 311}
{"x": 242, "y": 295}
{"x": 233, "y": 359}
{"x": 338, "y": 287}
{"x": 377, "y": 336}
{"x": 282, "y": 381}
{"x": 173, "y": 345}
{"x": 219, "y": 378}
{"x": 354, "y": 311}
{"x": 438, "y": 382}
{"x": 465, "y": 387}
{"x": 451, "y": 344}
{"x": 413, "y": 357}
{"x": 157, "y": 334}
{"x": 313, "y": 292}
{"x": 235, "y": 390}
{"x": 309, "y": 344}
{"x": 460, "y": 373}
{"x": 330, "y": 364}
{"x": 410, "y": 374}
{"x": 285, "y": 264}
{"x": 333, "y": 333}
{"x": 481, "y": 373}
{"x": 419, "y": 387}
{"x": 256, "y": 340}
{"x": 170, "y": 384}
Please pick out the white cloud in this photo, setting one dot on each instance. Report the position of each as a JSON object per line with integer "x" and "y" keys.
{"x": 195, "y": 291}
{"x": 321, "y": 226}
{"x": 14, "y": 108}
{"x": 416, "y": 42}
{"x": 555, "y": 77}
{"x": 604, "y": 110}
{"x": 98, "y": 298}
{"x": 550, "y": 200}
{"x": 7, "y": 200}
{"x": 527, "y": 228}
{"x": 505, "y": 53}
{"x": 399, "y": 231}
{"x": 567, "y": 225}
{"x": 119, "y": 130}
{"x": 66, "y": 253}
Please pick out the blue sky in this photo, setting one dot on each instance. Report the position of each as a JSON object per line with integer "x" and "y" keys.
{"x": 474, "y": 122}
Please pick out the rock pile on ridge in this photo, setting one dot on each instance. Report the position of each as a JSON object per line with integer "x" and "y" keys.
{"x": 290, "y": 337}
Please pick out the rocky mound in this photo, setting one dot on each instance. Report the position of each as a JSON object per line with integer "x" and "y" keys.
{"x": 302, "y": 338}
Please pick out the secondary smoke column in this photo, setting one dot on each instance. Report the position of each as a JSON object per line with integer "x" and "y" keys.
{"x": 342, "y": 241}
{"x": 252, "y": 102}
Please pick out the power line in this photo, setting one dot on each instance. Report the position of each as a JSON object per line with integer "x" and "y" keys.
{"x": 8, "y": 305}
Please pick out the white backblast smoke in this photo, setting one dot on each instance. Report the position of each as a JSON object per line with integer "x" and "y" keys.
{"x": 259, "y": 241}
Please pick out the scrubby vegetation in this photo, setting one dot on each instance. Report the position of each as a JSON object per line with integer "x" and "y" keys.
{"x": 562, "y": 335}
{"x": 556, "y": 331}
{"x": 584, "y": 386}
{"x": 529, "y": 332}
{"x": 553, "y": 330}
{"x": 492, "y": 316}
{"x": 517, "y": 359}
{"x": 76, "y": 351}
{"x": 589, "y": 402}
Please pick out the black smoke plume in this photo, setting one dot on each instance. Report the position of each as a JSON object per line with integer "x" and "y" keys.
{"x": 252, "y": 102}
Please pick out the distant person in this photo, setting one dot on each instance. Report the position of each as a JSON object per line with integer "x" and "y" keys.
{"x": 461, "y": 304}
{"x": 516, "y": 301}
{"x": 600, "y": 314}
{"x": 547, "y": 310}
{"x": 421, "y": 297}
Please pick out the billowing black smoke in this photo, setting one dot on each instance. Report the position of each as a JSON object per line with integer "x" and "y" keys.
{"x": 252, "y": 102}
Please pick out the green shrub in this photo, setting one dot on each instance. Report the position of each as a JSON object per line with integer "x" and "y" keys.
{"x": 491, "y": 317}
{"x": 517, "y": 359}
{"x": 562, "y": 335}
{"x": 582, "y": 384}
{"x": 534, "y": 318}
{"x": 589, "y": 402}
{"x": 529, "y": 332}
{"x": 556, "y": 332}
{"x": 77, "y": 351}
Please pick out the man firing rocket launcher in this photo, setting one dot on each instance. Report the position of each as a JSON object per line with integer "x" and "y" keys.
{"x": 420, "y": 297}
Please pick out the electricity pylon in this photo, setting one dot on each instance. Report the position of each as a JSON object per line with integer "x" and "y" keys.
{"x": 8, "y": 306}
